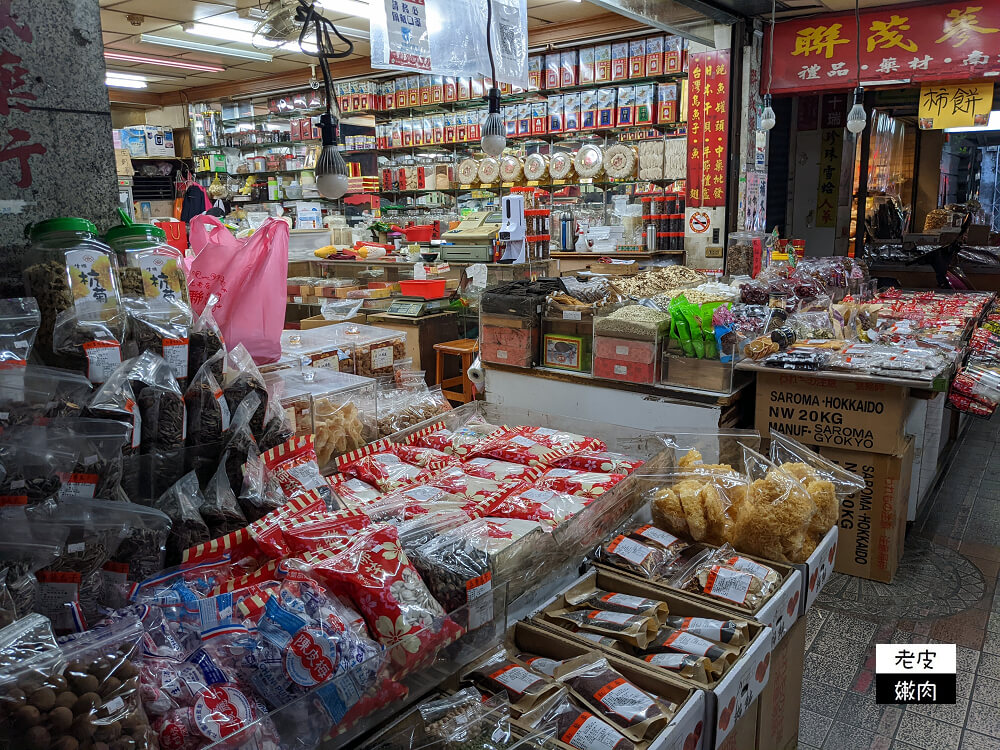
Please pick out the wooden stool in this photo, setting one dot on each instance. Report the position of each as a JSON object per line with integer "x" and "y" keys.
{"x": 466, "y": 349}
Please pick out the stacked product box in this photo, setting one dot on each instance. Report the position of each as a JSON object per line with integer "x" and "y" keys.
{"x": 567, "y": 334}
{"x": 510, "y": 321}
{"x": 627, "y": 343}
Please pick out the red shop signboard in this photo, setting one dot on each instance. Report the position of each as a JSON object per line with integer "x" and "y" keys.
{"x": 708, "y": 128}
{"x": 949, "y": 41}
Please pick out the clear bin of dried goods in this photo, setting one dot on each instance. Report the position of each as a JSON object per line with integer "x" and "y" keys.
{"x": 325, "y": 347}
{"x": 338, "y": 408}
{"x": 72, "y": 275}
{"x": 567, "y": 333}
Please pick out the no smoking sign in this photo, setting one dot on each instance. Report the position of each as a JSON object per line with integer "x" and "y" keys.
{"x": 699, "y": 222}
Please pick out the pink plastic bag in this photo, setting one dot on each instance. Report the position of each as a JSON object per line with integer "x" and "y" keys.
{"x": 248, "y": 276}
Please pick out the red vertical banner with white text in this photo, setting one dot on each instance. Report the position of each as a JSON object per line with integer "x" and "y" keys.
{"x": 708, "y": 128}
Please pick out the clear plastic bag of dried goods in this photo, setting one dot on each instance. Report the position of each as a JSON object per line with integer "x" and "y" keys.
{"x": 24, "y": 550}
{"x": 529, "y": 502}
{"x": 456, "y": 568}
{"x": 19, "y": 322}
{"x": 181, "y": 503}
{"x": 31, "y": 636}
{"x": 208, "y": 414}
{"x": 141, "y": 553}
{"x": 500, "y": 672}
{"x": 381, "y": 468}
{"x": 566, "y": 718}
{"x": 34, "y": 467}
{"x": 402, "y": 408}
{"x": 278, "y": 426}
{"x": 163, "y": 331}
{"x": 101, "y": 447}
{"x": 612, "y": 696}
{"x": 160, "y": 401}
{"x": 421, "y": 529}
{"x": 697, "y": 503}
{"x": 30, "y": 657}
{"x": 322, "y": 530}
{"x": 220, "y": 509}
{"x": 89, "y": 339}
{"x": 731, "y": 578}
{"x": 773, "y": 519}
{"x": 827, "y": 483}
{"x": 115, "y": 399}
{"x": 70, "y": 588}
{"x": 37, "y": 392}
{"x": 260, "y": 493}
{"x": 205, "y": 341}
{"x": 240, "y": 442}
{"x": 294, "y": 465}
{"x": 241, "y": 379}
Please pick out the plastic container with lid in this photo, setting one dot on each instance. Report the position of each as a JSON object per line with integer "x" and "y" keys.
{"x": 72, "y": 275}
{"x": 325, "y": 348}
{"x": 337, "y": 408}
{"x": 149, "y": 267}
{"x": 376, "y": 350}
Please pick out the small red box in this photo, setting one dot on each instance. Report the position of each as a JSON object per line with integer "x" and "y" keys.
{"x": 552, "y": 71}
{"x": 517, "y": 347}
{"x": 637, "y": 58}
{"x": 619, "y": 61}
{"x": 630, "y": 372}
{"x": 625, "y": 350}
{"x": 450, "y": 89}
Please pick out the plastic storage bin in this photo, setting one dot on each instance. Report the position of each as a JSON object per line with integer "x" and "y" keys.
{"x": 73, "y": 276}
{"x": 744, "y": 253}
{"x": 325, "y": 347}
{"x": 627, "y": 343}
{"x": 148, "y": 266}
{"x": 336, "y": 407}
{"x": 376, "y": 350}
{"x": 567, "y": 336}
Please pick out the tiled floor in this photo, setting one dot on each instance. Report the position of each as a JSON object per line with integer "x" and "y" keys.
{"x": 943, "y": 593}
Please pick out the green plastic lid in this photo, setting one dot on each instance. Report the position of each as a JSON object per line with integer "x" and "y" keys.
{"x": 63, "y": 224}
{"x": 131, "y": 231}
{"x": 135, "y": 232}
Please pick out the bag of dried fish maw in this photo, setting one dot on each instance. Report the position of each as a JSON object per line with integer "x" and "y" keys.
{"x": 774, "y": 518}
{"x": 697, "y": 503}
{"x": 827, "y": 483}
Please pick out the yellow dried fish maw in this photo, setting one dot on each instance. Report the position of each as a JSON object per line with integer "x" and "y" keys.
{"x": 690, "y": 458}
{"x": 718, "y": 522}
{"x": 689, "y": 492}
{"x": 753, "y": 533}
{"x": 808, "y": 548}
{"x": 800, "y": 471}
{"x": 827, "y": 514}
{"x": 668, "y": 513}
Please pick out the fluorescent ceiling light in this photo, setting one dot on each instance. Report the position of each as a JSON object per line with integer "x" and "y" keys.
{"x": 214, "y": 49}
{"x": 357, "y": 8}
{"x": 164, "y": 61}
{"x": 125, "y": 76}
{"x": 117, "y": 80}
{"x": 993, "y": 123}
{"x": 247, "y": 37}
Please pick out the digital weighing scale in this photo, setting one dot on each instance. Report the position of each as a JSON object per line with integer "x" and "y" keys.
{"x": 416, "y": 307}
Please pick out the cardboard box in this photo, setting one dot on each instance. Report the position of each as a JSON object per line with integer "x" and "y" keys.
{"x": 619, "y": 61}
{"x": 134, "y": 139}
{"x": 450, "y": 89}
{"x": 557, "y": 122}
{"x": 645, "y": 104}
{"x": 873, "y": 523}
{"x": 637, "y": 58}
{"x": 626, "y": 106}
{"x": 779, "y": 705}
{"x": 539, "y": 118}
{"x": 123, "y": 162}
{"x": 607, "y": 99}
{"x": 464, "y": 89}
{"x": 534, "y": 73}
{"x": 832, "y": 412}
{"x": 686, "y": 728}
{"x": 673, "y": 54}
{"x": 818, "y": 568}
{"x": 571, "y": 112}
{"x": 550, "y": 78}
{"x": 666, "y": 103}
{"x": 602, "y": 63}
{"x": 744, "y": 734}
{"x": 588, "y": 109}
{"x": 318, "y": 321}
{"x": 586, "y": 65}
{"x": 729, "y": 698}
{"x": 524, "y": 119}
{"x": 568, "y": 68}
{"x": 654, "y": 56}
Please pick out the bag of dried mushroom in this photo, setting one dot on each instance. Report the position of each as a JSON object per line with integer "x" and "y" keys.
{"x": 733, "y": 579}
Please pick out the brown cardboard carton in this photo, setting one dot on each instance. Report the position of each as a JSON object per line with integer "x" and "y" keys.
{"x": 873, "y": 523}
{"x": 831, "y": 412}
{"x": 779, "y": 705}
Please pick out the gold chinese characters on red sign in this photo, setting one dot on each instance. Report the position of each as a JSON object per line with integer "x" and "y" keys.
{"x": 708, "y": 128}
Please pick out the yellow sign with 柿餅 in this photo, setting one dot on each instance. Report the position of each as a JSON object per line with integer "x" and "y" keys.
{"x": 954, "y": 105}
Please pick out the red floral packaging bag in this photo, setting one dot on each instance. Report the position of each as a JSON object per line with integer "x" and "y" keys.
{"x": 470, "y": 489}
{"x": 352, "y": 491}
{"x": 499, "y": 471}
{"x": 378, "y": 466}
{"x": 373, "y": 572}
{"x": 513, "y": 445}
{"x": 425, "y": 458}
{"x": 531, "y": 503}
{"x": 322, "y": 530}
{"x": 587, "y": 484}
{"x": 267, "y": 531}
{"x": 409, "y": 503}
{"x": 564, "y": 441}
{"x": 606, "y": 461}
{"x": 459, "y": 442}
{"x": 294, "y": 465}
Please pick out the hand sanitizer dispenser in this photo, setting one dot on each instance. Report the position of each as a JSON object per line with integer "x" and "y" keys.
{"x": 512, "y": 229}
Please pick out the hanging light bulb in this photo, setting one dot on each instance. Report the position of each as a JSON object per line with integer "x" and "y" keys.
{"x": 331, "y": 169}
{"x": 494, "y": 140}
{"x": 856, "y": 118}
{"x": 767, "y": 117}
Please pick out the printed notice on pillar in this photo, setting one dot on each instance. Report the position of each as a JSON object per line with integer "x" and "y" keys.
{"x": 408, "y": 37}
{"x": 915, "y": 672}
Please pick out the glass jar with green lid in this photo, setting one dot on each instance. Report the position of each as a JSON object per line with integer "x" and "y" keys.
{"x": 154, "y": 291}
{"x": 72, "y": 275}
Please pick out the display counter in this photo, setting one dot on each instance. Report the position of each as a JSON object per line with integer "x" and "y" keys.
{"x": 568, "y": 263}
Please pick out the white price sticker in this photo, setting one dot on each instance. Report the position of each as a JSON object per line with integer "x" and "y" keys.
{"x": 516, "y": 678}
{"x": 748, "y": 566}
{"x": 175, "y": 352}
{"x": 103, "y": 358}
{"x": 659, "y": 536}
{"x": 731, "y": 585}
{"x": 630, "y": 549}
{"x": 382, "y": 357}
{"x": 572, "y": 315}
{"x": 621, "y": 350}
{"x": 590, "y": 733}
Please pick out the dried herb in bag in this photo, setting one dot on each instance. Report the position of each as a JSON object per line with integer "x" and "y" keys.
{"x": 208, "y": 414}
{"x": 181, "y": 503}
{"x": 668, "y": 639}
{"x": 500, "y": 673}
{"x": 728, "y": 632}
{"x": 637, "y": 630}
{"x": 612, "y": 601}
{"x": 240, "y": 442}
{"x": 36, "y": 392}
{"x": 220, "y": 509}
{"x": 19, "y": 322}
{"x": 160, "y": 402}
{"x": 161, "y": 330}
{"x": 260, "y": 492}
{"x": 456, "y": 568}
{"x": 205, "y": 341}
{"x": 241, "y": 379}
{"x": 566, "y": 719}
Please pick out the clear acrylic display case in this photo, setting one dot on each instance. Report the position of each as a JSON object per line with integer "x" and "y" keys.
{"x": 627, "y": 343}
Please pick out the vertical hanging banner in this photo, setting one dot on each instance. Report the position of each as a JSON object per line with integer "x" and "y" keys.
{"x": 708, "y": 128}
{"x": 827, "y": 193}
{"x": 407, "y": 34}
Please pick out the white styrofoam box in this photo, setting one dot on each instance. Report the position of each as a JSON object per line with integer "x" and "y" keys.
{"x": 737, "y": 691}
{"x": 817, "y": 569}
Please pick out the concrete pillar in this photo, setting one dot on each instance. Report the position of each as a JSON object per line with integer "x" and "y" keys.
{"x": 56, "y": 153}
